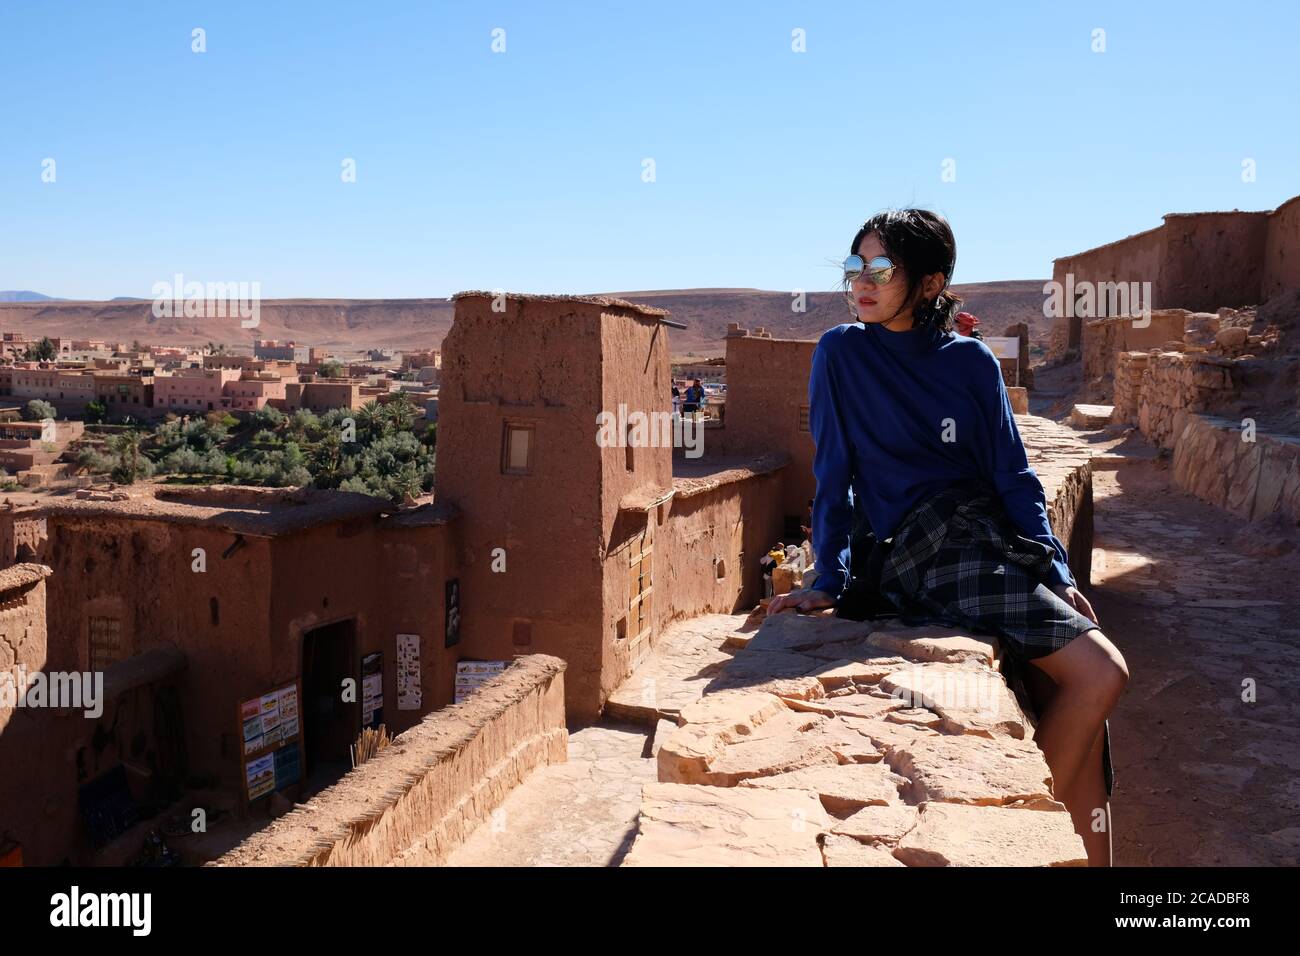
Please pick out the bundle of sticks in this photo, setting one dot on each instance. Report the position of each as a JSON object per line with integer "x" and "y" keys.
{"x": 369, "y": 743}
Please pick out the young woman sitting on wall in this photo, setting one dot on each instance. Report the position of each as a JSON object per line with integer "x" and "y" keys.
{"x": 926, "y": 506}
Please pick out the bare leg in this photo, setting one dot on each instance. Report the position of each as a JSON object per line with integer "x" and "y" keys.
{"x": 1090, "y": 675}
{"x": 1087, "y": 677}
{"x": 1089, "y": 807}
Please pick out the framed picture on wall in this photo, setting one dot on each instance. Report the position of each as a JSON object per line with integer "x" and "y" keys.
{"x": 453, "y": 612}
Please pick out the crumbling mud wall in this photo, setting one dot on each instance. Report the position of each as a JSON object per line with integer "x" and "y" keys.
{"x": 1196, "y": 261}
{"x": 1105, "y": 339}
{"x": 419, "y": 798}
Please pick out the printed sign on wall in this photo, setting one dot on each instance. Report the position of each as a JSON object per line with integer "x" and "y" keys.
{"x": 470, "y": 675}
{"x": 272, "y": 736}
{"x": 408, "y": 671}
{"x": 372, "y": 690}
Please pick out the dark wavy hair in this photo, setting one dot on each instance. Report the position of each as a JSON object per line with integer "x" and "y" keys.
{"x": 921, "y": 243}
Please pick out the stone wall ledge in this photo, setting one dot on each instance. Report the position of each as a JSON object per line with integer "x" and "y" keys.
{"x": 1251, "y": 479}
{"x": 828, "y": 742}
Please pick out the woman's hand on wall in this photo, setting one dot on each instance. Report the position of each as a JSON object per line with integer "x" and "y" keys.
{"x": 804, "y": 600}
{"x": 1076, "y": 600}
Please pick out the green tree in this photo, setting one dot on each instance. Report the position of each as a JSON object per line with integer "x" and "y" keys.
{"x": 96, "y": 412}
{"x": 38, "y": 410}
{"x": 331, "y": 369}
{"x": 42, "y": 351}
{"x": 401, "y": 413}
{"x": 131, "y": 464}
{"x": 370, "y": 419}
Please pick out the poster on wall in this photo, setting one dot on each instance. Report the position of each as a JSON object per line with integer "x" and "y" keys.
{"x": 453, "y": 612}
{"x": 250, "y": 715}
{"x": 271, "y": 728}
{"x": 260, "y": 776}
{"x": 372, "y": 690}
{"x": 470, "y": 675}
{"x": 408, "y": 671}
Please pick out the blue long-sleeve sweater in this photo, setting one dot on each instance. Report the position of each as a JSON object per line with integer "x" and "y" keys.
{"x": 898, "y": 417}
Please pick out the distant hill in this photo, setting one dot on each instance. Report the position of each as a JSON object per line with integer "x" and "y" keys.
{"x": 348, "y": 325}
{"x": 23, "y": 295}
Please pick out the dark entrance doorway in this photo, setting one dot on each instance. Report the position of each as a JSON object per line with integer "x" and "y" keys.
{"x": 330, "y": 725}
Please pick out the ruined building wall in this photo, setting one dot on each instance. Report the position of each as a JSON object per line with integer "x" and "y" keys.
{"x": 22, "y": 535}
{"x": 537, "y": 364}
{"x": 1152, "y": 389}
{"x": 1138, "y": 258}
{"x": 1104, "y": 339}
{"x": 1196, "y": 261}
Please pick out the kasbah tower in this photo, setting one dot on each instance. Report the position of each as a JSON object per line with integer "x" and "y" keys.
{"x": 572, "y": 523}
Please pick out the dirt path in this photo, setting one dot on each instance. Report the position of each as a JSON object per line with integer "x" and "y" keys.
{"x": 1198, "y": 605}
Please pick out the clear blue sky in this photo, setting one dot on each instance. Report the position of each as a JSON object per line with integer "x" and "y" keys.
{"x": 522, "y": 170}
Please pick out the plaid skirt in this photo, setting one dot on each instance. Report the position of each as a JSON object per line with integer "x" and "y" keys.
{"x": 958, "y": 560}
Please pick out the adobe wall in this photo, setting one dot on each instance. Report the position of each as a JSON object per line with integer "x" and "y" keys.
{"x": 418, "y": 799}
{"x": 537, "y": 363}
{"x": 38, "y": 796}
{"x": 388, "y": 582}
{"x": 1282, "y": 250}
{"x": 1212, "y": 259}
{"x": 767, "y": 385}
{"x": 634, "y": 372}
{"x": 1200, "y": 262}
{"x": 717, "y": 529}
{"x": 139, "y": 572}
{"x": 1138, "y": 258}
{"x": 418, "y": 562}
{"x": 22, "y": 535}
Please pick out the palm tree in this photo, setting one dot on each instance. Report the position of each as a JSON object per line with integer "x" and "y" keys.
{"x": 127, "y": 448}
{"x": 370, "y": 418}
{"x": 401, "y": 413}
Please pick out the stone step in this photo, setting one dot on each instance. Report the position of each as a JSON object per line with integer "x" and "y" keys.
{"x": 1091, "y": 416}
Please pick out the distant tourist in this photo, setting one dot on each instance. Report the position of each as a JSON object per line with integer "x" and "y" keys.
{"x": 966, "y": 323}
{"x": 694, "y": 399}
{"x": 768, "y": 562}
{"x": 677, "y": 399}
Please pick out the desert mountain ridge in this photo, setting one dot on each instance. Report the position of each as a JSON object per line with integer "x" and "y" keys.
{"x": 351, "y": 325}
